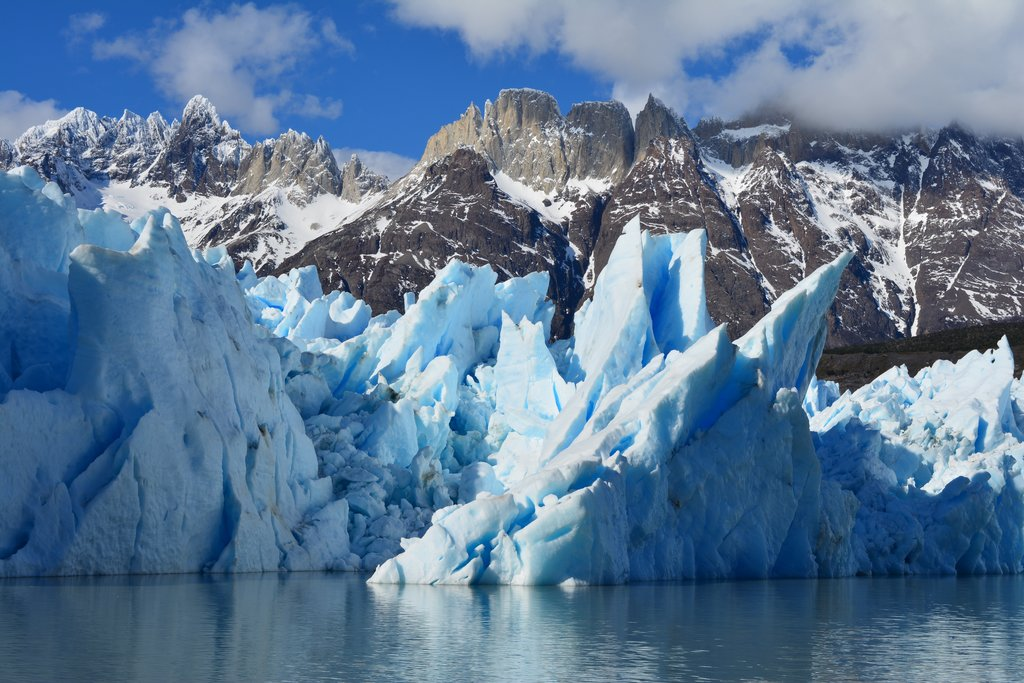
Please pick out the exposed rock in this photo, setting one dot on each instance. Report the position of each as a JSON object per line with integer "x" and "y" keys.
{"x": 931, "y": 216}
{"x": 203, "y": 155}
{"x": 671, "y": 192}
{"x": 449, "y": 209}
{"x": 293, "y": 161}
{"x": 601, "y": 140}
{"x": 358, "y": 181}
{"x": 133, "y": 144}
{"x": 656, "y": 120}
{"x": 8, "y": 157}
{"x": 524, "y": 135}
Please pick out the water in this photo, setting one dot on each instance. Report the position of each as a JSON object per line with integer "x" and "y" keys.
{"x": 334, "y": 627}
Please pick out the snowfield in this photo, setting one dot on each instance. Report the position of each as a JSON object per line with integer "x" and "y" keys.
{"x": 160, "y": 412}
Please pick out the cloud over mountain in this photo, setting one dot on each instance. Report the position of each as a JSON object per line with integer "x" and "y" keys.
{"x": 241, "y": 58}
{"x": 869, "y": 64}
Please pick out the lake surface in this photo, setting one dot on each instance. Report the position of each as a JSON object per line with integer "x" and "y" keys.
{"x": 335, "y": 627}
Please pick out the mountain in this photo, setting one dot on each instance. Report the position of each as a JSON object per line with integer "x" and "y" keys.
{"x": 263, "y": 200}
{"x": 931, "y": 216}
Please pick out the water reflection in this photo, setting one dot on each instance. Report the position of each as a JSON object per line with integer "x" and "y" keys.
{"x": 334, "y": 627}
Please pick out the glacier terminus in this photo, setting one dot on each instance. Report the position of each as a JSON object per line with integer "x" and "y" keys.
{"x": 164, "y": 413}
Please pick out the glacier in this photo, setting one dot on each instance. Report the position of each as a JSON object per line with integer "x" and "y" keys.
{"x": 161, "y": 412}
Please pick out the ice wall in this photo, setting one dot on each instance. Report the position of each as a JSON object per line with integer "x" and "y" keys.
{"x": 932, "y": 465}
{"x": 145, "y": 427}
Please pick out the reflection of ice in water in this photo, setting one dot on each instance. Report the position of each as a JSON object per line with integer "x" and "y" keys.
{"x": 331, "y": 626}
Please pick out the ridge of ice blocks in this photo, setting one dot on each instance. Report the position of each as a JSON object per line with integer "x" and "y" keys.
{"x": 677, "y": 453}
{"x": 932, "y": 467}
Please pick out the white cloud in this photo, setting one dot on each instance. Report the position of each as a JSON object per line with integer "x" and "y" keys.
{"x": 869, "y": 63}
{"x": 241, "y": 58}
{"x": 393, "y": 165}
{"x": 316, "y": 107}
{"x": 81, "y": 25}
{"x": 19, "y": 113}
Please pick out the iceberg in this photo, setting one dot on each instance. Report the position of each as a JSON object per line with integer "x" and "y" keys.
{"x": 161, "y": 412}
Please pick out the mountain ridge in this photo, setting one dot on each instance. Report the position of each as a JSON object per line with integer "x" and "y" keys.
{"x": 930, "y": 215}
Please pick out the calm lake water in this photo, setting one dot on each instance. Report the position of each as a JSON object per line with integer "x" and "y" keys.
{"x": 335, "y": 627}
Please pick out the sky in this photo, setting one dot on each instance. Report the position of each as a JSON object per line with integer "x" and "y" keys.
{"x": 380, "y": 76}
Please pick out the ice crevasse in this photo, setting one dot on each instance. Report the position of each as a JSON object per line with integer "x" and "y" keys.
{"x": 160, "y": 412}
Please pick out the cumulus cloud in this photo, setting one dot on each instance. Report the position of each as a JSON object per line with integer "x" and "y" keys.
{"x": 19, "y": 113}
{"x": 241, "y": 58}
{"x": 392, "y": 165}
{"x": 868, "y": 64}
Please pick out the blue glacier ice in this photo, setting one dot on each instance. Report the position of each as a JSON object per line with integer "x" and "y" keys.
{"x": 144, "y": 427}
{"x": 678, "y": 454}
{"x": 160, "y": 412}
{"x": 934, "y": 467}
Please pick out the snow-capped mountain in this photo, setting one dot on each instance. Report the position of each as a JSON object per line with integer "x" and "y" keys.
{"x": 264, "y": 200}
{"x": 932, "y": 216}
{"x": 929, "y": 215}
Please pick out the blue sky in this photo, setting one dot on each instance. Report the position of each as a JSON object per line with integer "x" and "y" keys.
{"x": 382, "y": 75}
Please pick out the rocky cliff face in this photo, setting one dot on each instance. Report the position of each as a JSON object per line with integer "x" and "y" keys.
{"x": 524, "y": 135}
{"x": 452, "y": 208}
{"x": 7, "y": 155}
{"x": 133, "y": 144}
{"x": 929, "y": 216}
{"x": 358, "y": 182}
{"x": 292, "y": 161}
{"x": 671, "y": 191}
{"x": 656, "y": 120}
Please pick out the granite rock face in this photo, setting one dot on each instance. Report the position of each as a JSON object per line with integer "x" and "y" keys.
{"x": 293, "y": 160}
{"x": 656, "y": 120}
{"x": 524, "y": 135}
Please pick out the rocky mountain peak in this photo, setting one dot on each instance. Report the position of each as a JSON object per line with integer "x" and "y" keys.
{"x": 463, "y": 132}
{"x": 70, "y": 136}
{"x": 605, "y": 142}
{"x": 200, "y": 112}
{"x": 292, "y": 161}
{"x": 357, "y": 181}
{"x": 131, "y": 144}
{"x": 523, "y": 108}
{"x": 202, "y": 155}
{"x": 656, "y": 120}
{"x": 524, "y": 135}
